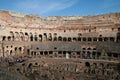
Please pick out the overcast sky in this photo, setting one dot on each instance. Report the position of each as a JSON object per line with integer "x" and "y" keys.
{"x": 61, "y": 7}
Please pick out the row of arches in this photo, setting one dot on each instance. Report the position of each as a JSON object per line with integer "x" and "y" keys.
{"x": 14, "y": 52}
{"x": 60, "y": 38}
{"x": 74, "y": 54}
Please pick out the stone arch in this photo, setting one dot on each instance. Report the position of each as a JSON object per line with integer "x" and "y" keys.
{"x": 84, "y": 39}
{"x": 87, "y": 64}
{"x": 12, "y": 35}
{"x": 9, "y": 38}
{"x": 45, "y": 37}
{"x": 100, "y": 39}
{"x": 89, "y": 39}
{"x": 31, "y": 37}
{"x": 69, "y": 39}
{"x": 40, "y": 37}
{"x": 74, "y": 39}
{"x": 112, "y": 39}
{"x": 30, "y": 65}
{"x": 36, "y": 38}
{"x": 11, "y": 52}
{"x": 79, "y": 38}
{"x": 101, "y": 65}
{"x": 59, "y": 38}
{"x": 22, "y": 37}
{"x": 26, "y": 36}
{"x": 94, "y": 39}
{"x": 64, "y": 39}
{"x": 20, "y": 49}
{"x": 50, "y": 37}
{"x": 105, "y": 39}
{"x": 4, "y": 38}
{"x": 17, "y": 36}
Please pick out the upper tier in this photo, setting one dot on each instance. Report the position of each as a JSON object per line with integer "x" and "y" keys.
{"x": 13, "y": 19}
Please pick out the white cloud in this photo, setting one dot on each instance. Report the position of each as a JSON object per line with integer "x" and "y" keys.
{"x": 43, "y": 6}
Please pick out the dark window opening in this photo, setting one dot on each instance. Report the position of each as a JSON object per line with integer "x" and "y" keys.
{"x": 115, "y": 55}
{"x": 26, "y": 33}
{"x": 59, "y": 52}
{"x": 74, "y": 39}
{"x": 9, "y": 38}
{"x": 36, "y": 38}
{"x": 15, "y": 48}
{"x": 60, "y": 38}
{"x": 79, "y": 39}
{"x": 118, "y": 29}
{"x": 84, "y": 48}
{"x": 105, "y": 39}
{"x": 31, "y": 38}
{"x": 41, "y": 53}
{"x": 100, "y": 39}
{"x": 84, "y": 39}
{"x": 64, "y": 39}
{"x": 37, "y": 48}
{"x": 46, "y": 53}
{"x": 94, "y": 39}
{"x": 55, "y": 38}
{"x": 69, "y": 39}
{"x": 89, "y": 39}
{"x": 112, "y": 39}
{"x": 4, "y": 38}
{"x": 87, "y": 64}
{"x": 20, "y": 48}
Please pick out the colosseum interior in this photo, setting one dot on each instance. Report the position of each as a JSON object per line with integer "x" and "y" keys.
{"x": 60, "y": 47}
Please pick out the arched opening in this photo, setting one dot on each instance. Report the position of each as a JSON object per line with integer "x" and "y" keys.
{"x": 9, "y": 38}
{"x": 17, "y": 36}
{"x": 20, "y": 48}
{"x": 50, "y": 37}
{"x": 26, "y": 36}
{"x": 79, "y": 39}
{"x": 101, "y": 65}
{"x": 74, "y": 39}
{"x": 69, "y": 39}
{"x": 12, "y": 35}
{"x": 36, "y": 39}
{"x": 15, "y": 49}
{"x": 115, "y": 55}
{"x": 10, "y": 52}
{"x": 105, "y": 39}
{"x": 31, "y": 38}
{"x": 45, "y": 53}
{"x": 100, "y": 39}
{"x": 94, "y": 65}
{"x": 64, "y": 39}
{"x": 59, "y": 38}
{"x": 30, "y": 65}
{"x": 89, "y": 49}
{"x": 89, "y": 39}
{"x": 84, "y": 39}
{"x": 87, "y": 64}
{"x": 55, "y": 38}
{"x": 4, "y": 38}
{"x": 22, "y": 36}
{"x": 94, "y": 39}
{"x": 112, "y": 39}
{"x": 40, "y": 37}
